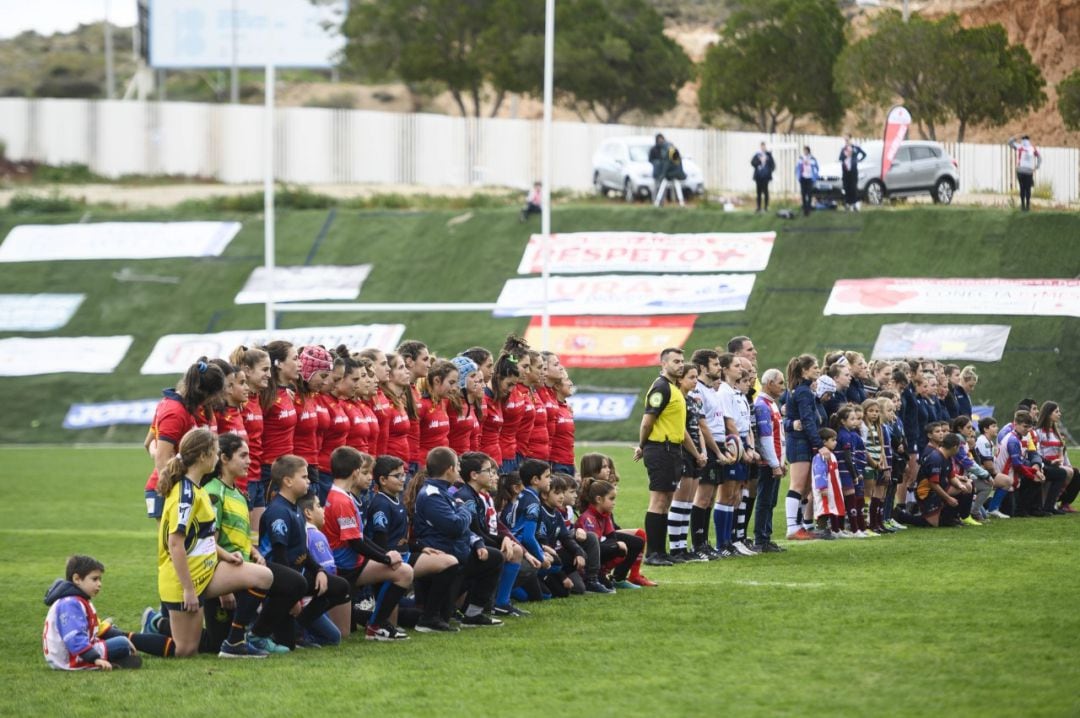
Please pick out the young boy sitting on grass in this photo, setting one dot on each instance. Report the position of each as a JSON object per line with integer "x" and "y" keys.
{"x": 74, "y": 639}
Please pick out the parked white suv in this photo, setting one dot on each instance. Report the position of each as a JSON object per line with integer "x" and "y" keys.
{"x": 920, "y": 166}
{"x": 622, "y": 164}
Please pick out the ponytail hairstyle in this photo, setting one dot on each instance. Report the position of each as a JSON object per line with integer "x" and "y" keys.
{"x": 412, "y": 490}
{"x": 384, "y": 466}
{"x": 592, "y": 465}
{"x": 278, "y": 351}
{"x": 247, "y": 358}
{"x": 438, "y": 372}
{"x": 592, "y": 490}
{"x": 405, "y": 399}
{"x": 217, "y": 402}
{"x": 968, "y": 373}
{"x": 228, "y": 445}
{"x": 478, "y": 354}
{"x": 504, "y": 495}
{"x": 837, "y": 419}
{"x": 535, "y": 358}
{"x": 797, "y": 368}
{"x": 411, "y": 349}
{"x": 505, "y": 366}
{"x": 196, "y": 444}
{"x": 201, "y": 382}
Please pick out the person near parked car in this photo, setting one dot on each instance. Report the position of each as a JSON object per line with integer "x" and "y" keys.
{"x": 764, "y": 165}
{"x": 533, "y": 202}
{"x": 850, "y": 157}
{"x": 807, "y": 172}
{"x": 667, "y": 167}
{"x": 1028, "y": 160}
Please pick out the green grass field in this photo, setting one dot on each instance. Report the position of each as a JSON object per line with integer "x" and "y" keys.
{"x": 972, "y": 621}
{"x": 421, "y": 255}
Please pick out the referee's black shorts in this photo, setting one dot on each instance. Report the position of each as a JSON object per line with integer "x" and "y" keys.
{"x": 664, "y": 464}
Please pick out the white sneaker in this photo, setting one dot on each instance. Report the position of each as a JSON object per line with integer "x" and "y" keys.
{"x": 859, "y": 534}
{"x": 872, "y": 534}
{"x": 844, "y": 534}
{"x": 894, "y": 524}
{"x": 743, "y": 549}
{"x": 998, "y": 515}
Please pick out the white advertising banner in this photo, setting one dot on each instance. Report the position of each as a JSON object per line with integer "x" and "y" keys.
{"x": 1024, "y": 297}
{"x": 304, "y": 284}
{"x": 37, "y": 312}
{"x": 971, "y": 342}
{"x": 248, "y": 33}
{"x": 22, "y": 356}
{"x": 627, "y": 295}
{"x": 116, "y": 240}
{"x": 174, "y": 353}
{"x": 584, "y": 252}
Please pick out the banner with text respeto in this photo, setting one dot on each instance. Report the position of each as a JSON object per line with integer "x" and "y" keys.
{"x": 653, "y": 252}
{"x": 626, "y": 295}
{"x": 896, "y": 127}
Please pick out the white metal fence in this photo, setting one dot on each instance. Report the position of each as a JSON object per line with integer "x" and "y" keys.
{"x": 325, "y": 146}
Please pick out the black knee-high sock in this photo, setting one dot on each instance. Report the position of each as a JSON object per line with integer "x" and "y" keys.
{"x": 852, "y": 513}
{"x": 655, "y": 531}
{"x": 389, "y": 602}
{"x": 749, "y": 514}
{"x": 247, "y": 604}
{"x": 699, "y": 526}
{"x": 153, "y": 644}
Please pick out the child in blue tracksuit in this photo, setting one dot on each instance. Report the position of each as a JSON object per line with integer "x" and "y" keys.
{"x": 75, "y": 639}
{"x": 442, "y": 522}
{"x": 536, "y": 478}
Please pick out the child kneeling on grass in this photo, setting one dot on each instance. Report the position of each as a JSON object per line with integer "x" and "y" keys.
{"x": 74, "y": 639}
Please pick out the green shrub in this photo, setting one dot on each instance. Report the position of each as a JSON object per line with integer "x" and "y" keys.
{"x": 73, "y": 173}
{"x": 1043, "y": 190}
{"x": 54, "y": 203}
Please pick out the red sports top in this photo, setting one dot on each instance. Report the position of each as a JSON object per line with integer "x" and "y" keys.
{"x": 551, "y": 408}
{"x": 491, "y": 429}
{"x": 514, "y": 407}
{"x": 562, "y": 441}
{"x": 171, "y": 421}
{"x": 336, "y": 430}
{"x": 253, "y": 423}
{"x": 364, "y": 427}
{"x": 341, "y": 523}
{"x": 603, "y": 525}
{"x": 525, "y": 425}
{"x": 538, "y": 445}
{"x": 434, "y": 426}
{"x": 279, "y": 422}
{"x": 464, "y": 429}
{"x": 381, "y": 407}
{"x": 414, "y": 430}
{"x": 306, "y": 431}
{"x": 397, "y": 439}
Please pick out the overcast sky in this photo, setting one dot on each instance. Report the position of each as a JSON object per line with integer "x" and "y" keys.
{"x": 49, "y": 16}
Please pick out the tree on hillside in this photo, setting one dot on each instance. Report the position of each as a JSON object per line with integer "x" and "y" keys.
{"x": 774, "y": 64}
{"x": 992, "y": 81}
{"x": 1069, "y": 100}
{"x": 940, "y": 71}
{"x": 611, "y": 57}
{"x": 902, "y": 60}
{"x": 464, "y": 46}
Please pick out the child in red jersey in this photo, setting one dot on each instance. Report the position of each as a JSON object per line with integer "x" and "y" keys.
{"x": 620, "y": 553}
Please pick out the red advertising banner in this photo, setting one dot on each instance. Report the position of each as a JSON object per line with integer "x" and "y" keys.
{"x": 896, "y": 127}
{"x": 612, "y": 342}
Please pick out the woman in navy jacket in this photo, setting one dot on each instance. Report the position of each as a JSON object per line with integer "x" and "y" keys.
{"x": 850, "y": 157}
{"x": 802, "y": 421}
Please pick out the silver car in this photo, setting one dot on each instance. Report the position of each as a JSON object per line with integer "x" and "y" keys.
{"x": 621, "y": 164}
{"x": 920, "y": 166}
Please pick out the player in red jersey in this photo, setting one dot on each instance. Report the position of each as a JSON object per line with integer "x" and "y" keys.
{"x": 315, "y": 367}
{"x": 229, "y": 410}
{"x": 465, "y": 407}
{"x": 279, "y": 419}
{"x": 364, "y": 431}
{"x": 562, "y": 440}
{"x": 379, "y": 403}
{"x": 514, "y": 403}
{"x": 334, "y": 398}
{"x": 255, "y": 364}
{"x": 554, "y": 372}
{"x": 442, "y": 380}
{"x": 417, "y": 360}
{"x": 180, "y": 410}
{"x": 398, "y": 419}
{"x": 538, "y": 443}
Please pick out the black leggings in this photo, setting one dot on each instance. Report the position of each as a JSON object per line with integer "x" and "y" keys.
{"x": 762, "y": 193}
{"x": 806, "y": 188}
{"x": 610, "y": 551}
{"x": 851, "y": 187}
{"x": 480, "y": 578}
{"x": 1056, "y": 478}
{"x": 1026, "y": 182}
{"x": 949, "y": 514}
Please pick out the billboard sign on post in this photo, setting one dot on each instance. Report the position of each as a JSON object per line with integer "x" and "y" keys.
{"x": 245, "y": 33}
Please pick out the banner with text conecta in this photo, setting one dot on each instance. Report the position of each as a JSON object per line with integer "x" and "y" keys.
{"x": 585, "y": 252}
{"x": 1024, "y": 297}
{"x": 612, "y": 342}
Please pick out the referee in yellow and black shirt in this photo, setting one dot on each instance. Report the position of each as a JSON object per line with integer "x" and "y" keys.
{"x": 660, "y": 445}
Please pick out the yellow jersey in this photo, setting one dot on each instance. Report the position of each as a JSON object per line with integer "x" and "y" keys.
{"x": 187, "y": 511}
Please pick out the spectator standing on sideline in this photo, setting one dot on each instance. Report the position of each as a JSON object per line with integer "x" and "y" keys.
{"x": 806, "y": 171}
{"x": 850, "y": 157}
{"x": 1028, "y": 160}
{"x": 660, "y": 445}
{"x": 533, "y": 202}
{"x": 667, "y": 167}
{"x": 764, "y": 165}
